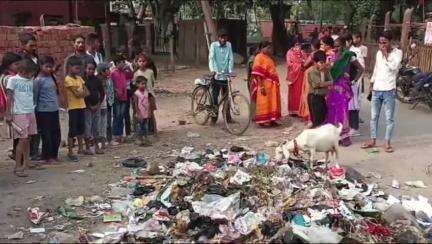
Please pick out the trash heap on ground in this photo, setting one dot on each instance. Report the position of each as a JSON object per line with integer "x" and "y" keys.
{"x": 240, "y": 195}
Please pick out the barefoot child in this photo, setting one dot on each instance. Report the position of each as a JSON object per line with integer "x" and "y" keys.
{"x": 20, "y": 111}
{"x": 76, "y": 92}
{"x": 142, "y": 111}
{"x": 93, "y": 112}
{"x": 103, "y": 73}
{"x": 45, "y": 92}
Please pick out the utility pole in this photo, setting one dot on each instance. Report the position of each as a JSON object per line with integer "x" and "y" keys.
{"x": 211, "y": 27}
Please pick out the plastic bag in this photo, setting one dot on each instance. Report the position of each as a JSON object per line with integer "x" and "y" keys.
{"x": 218, "y": 207}
{"x": 249, "y": 222}
{"x": 240, "y": 177}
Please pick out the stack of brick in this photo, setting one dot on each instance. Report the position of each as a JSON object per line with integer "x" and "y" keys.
{"x": 56, "y": 41}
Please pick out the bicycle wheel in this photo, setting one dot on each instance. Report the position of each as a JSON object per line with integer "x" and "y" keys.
{"x": 236, "y": 114}
{"x": 201, "y": 102}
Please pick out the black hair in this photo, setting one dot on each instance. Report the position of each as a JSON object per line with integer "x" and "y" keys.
{"x": 346, "y": 37}
{"x": 45, "y": 59}
{"x": 91, "y": 38}
{"x": 28, "y": 66}
{"x": 222, "y": 32}
{"x": 90, "y": 62}
{"x": 78, "y": 36}
{"x": 328, "y": 41}
{"x": 386, "y": 34}
{"x": 74, "y": 61}
{"x": 319, "y": 56}
{"x": 264, "y": 44}
{"x": 140, "y": 79}
{"x": 118, "y": 58}
{"x": 8, "y": 59}
{"x": 316, "y": 43}
{"x": 358, "y": 34}
{"x": 26, "y": 37}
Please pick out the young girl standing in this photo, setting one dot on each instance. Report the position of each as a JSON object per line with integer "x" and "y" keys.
{"x": 142, "y": 111}
{"x": 45, "y": 92}
{"x": 147, "y": 69}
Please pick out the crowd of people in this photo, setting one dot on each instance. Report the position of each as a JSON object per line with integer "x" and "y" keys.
{"x": 325, "y": 80}
{"x": 99, "y": 96}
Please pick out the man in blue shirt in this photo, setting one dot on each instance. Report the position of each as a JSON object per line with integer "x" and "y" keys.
{"x": 221, "y": 63}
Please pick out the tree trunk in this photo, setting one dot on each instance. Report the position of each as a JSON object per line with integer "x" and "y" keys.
{"x": 280, "y": 38}
{"x": 211, "y": 27}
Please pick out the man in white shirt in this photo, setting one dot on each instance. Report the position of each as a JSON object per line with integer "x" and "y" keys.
{"x": 383, "y": 88}
{"x": 354, "y": 104}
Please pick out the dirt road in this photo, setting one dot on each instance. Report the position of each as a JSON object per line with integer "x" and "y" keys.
{"x": 51, "y": 186}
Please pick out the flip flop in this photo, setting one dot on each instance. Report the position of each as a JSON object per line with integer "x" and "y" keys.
{"x": 388, "y": 149}
{"x": 368, "y": 145}
{"x": 20, "y": 174}
{"x": 73, "y": 158}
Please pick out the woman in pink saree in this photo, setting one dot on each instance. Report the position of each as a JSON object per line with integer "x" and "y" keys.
{"x": 340, "y": 93}
{"x": 295, "y": 58}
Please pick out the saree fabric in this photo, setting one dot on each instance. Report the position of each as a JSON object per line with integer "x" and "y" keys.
{"x": 339, "y": 95}
{"x": 267, "y": 104}
{"x": 295, "y": 75}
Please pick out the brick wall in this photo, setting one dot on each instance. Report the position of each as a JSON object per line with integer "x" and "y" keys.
{"x": 55, "y": 41}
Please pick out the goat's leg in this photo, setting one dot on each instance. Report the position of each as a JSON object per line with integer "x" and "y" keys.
{"x": 312, "y": 157}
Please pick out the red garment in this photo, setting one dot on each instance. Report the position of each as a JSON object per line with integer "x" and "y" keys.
{"x": 120, "y": 80}
{"x": 295, "y": 75}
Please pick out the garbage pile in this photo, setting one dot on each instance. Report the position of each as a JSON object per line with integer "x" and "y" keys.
{"x": 241, "y": 195}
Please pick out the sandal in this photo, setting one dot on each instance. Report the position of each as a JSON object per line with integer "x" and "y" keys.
{"x": 388, "y": 149}
{"x": 20, "y": 173}
{"x": 73, "y": 158}
{"x": 368, "y": 145}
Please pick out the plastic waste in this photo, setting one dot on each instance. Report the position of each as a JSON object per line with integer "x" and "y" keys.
{"x": 218, "y": 207}
{"x": 35, "y": 215}
{"x": 76, "y": 202}
{"x": 234, "y": 158}
{"x": 247, "y": 223}
{"x": 240, "y": 177}
{"x": 186, "y": 168}
{"x": 395, "y": 184}
{"x": 336, "y": 172}
{"x": 271, "y": 143}
{"x": 420, "y": 204}
{"x": 68, "y": 212}
{"x": 134, "y": 162}
{"x": 192, "y": 135}
{"x": 316, "y": 234}
{"x": 112, "y": 217}
{"x": 344, "y": 210}
{"x": 16, "y": 236}
{"x": 299, "y": 219}
{"x": 262, "y": 159}
{"x": 417, "y": 184}
{"x": 37, "y": 230}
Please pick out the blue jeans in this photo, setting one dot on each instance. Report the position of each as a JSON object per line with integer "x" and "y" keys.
{"x": 388, "y": 99}
{"x": 119, "y": 111}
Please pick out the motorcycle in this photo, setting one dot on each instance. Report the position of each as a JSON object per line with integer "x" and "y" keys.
{"x": 422, "y": 92}
{"x": 407, "y": 77}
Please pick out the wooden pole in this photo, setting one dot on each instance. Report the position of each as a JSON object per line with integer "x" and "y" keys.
{"x": 387, "y": 21}
{"x": 205, "y": 7}
{"x": 406, "y": 26}
{"x": 106, "y": 32}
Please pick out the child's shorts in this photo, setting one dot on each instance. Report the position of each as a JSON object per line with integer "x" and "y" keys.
{"x": 27, "y": 122}
{"x": 76, "y": 122}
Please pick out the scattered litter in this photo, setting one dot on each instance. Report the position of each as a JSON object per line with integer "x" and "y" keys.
{"x": 373, "y": 151}
{"x": 76, "y": 202}
{"x": 417, "y": 184}
{"x": 395, "y": 184}
{"x": 16, "y": 236}
{"x": 68, "y": 213}
{"x": 112, "y": 217}
{"x": 375, "y": 175}
{"x": 37, "y": 230}
{"x": 89, "y": 165}
{"x": 240, "y": 177}
{"x": 134, "y": 162}
{"x": 116, "y": 157}
{"x": 35, "y": 215}
{"x": 30, "y": 182}
{"x": 192, "y": 135}
{"x": 271, "y": 144}
{"x": 78, "y": 171}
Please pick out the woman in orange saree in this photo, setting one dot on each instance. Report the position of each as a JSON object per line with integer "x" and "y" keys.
{"x": 265, "y": 87}
{"x": 295, "y": 76}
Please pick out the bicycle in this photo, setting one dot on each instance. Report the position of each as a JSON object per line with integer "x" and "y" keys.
{"x": 233, "y": 103}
